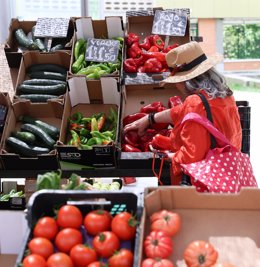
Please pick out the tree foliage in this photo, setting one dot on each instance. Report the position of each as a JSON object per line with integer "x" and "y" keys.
{"x": 242, "y": 41}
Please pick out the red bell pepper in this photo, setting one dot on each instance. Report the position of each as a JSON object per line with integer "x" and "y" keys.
{"x": 139, "y": 61}
{"x": 158, "y": 55}
{"x": 161, "y": 142}
{"x": 170, "y": 47}
{"x": 141, "y": 69}
{"x": 153, "y": 49}
{"x": 148, "y": 136}
{"x": 131, "y": 38}
{"x": 152, "y": 65}
{"x": 129, "y": 65}
{"x": 153, "y": 107}
{"x": 129, "y": 148}
{"x": 157, "y": 41}
{"x": 131, "y": 138}
{"x": 134, "y": 51}
{"x": 174, "y": 101}
{"x": 145, "y": 44}
{"x": 132, "y": 117}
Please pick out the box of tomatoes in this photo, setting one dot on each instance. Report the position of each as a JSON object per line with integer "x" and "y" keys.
{"x": 68, "y": 228}
{"x": 199, "y": 229}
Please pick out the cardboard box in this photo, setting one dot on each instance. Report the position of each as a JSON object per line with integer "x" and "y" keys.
{"x": 50, "y": 112}
{"x": 61, "y": 58}
{"x": 88, "y": 101}
{"x": 229, "y": 221}
{"x": 133, "y": 98}
{"x": 107, "y": 28}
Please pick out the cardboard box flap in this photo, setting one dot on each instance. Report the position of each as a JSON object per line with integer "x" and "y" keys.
{"x": 84, "y": 28}
{"x": 109, "y": 91}
{"x": 78, "y": 91}
{"x": 115, "y": 27}
{"x": 188, "y": 198}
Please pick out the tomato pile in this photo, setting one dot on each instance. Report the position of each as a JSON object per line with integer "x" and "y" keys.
{"x": 158, "y": 244}
{"x": 96, "y": 239}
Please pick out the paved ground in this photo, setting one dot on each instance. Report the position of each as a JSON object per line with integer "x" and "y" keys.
{"x": 254, "y": 102}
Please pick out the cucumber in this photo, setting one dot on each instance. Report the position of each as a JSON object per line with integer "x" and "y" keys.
{"x": 48, "y": 75}
{"x": 39, "y": 133}
{"x": 40, "y": 45}
{"x": 26, "y": 137}
{"x": 37, "y": 98}
{"x": 50, "y": 129}
{"x": 58, "y": 89}
{"x": 43, "y": 82}
{"x": 24, "y": 149}
{"x": 47, "y": 67}
{"x": 23, "y": 40}
{"x": 57, "y": 47}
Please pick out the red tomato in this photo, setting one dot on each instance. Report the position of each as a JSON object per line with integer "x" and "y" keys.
{"x": 97, "y": 221}
{"x": 69, "y": 217}
{"x": 34, "y": 260}
{"x": 200, "y": 253}
{"x": 67, "y": 238}
{"x": 106, "y": 243}
{"x": 158, "y": 245}
{"x": 41, "y": 246}
{"x": 124, "y": 225}
{"x": 167, "y": 221}
{"x": 121, "y": 258}
{"x": 46, "y": 227}
{"x": 97, "y": 264}
{"x": 157, "y": 263}
{"x": 82, "y": 255}
{"x": 59, "y": 259}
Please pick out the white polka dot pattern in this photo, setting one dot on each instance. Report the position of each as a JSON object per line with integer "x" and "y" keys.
{"x": 221, "y": 172}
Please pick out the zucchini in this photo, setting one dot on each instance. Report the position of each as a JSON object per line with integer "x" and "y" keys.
{"x": 57, "y": 47}
{"x": 24, "y": 149}
{"x": 43, "y": 82}
{"x": 47, "y": 67}
{"x": 37, "y": 98}
{"x": 24, "y": 41}
{"x": 26, "y": 137}
{"x": 40, "y": 45}
{"x": 39, "y": 133}
{"x": 48, "y": 75}
{"x": 58, "y": 89}
{"x": 50, "y": 129}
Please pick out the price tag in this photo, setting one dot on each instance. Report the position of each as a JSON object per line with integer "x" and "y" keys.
{"x": 102, "y": 50}
{"x": 169, "y": 22}
{"x": 51, "y": 27}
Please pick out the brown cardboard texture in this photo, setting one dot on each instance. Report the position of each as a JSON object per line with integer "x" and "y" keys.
{"x": 133, "y": 98}
{"x": 229, "y": 221}
{"x": 61, "y": 58}
{"x": 50, "y": 112}
{"x": 79, "y": 99}
{"x": 107, "y": 28}
{"x": 142, "y": 26}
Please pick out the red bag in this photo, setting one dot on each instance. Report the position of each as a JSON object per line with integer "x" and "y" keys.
{"x": 224, "y": 170}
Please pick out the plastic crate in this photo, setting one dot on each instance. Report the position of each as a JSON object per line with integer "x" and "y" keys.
{"x": 43, "y": 203}
{"x": 244, "y": 111}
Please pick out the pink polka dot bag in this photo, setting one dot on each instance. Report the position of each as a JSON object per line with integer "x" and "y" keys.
{"x": 224, "y": 170}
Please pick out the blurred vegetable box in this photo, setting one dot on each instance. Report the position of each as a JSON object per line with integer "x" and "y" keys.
{"x": 89, "y": 125}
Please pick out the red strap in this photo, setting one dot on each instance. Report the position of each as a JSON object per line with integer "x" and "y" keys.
{"x": 160, "y": 171}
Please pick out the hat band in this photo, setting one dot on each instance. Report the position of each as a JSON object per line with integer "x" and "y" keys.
{"x": 192, "y": 64}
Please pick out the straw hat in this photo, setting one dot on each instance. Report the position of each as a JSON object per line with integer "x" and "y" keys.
{"x": 189, "y": 61}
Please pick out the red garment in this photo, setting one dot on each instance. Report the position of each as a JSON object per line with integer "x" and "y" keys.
{"x": 193, "y": 142}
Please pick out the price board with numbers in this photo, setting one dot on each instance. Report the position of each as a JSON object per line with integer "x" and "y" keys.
{"x": 102, "y": 50}
{"x": 170, "y": 22}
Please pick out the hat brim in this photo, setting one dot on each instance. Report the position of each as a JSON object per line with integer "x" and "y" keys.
{"x": 210, "y": 62}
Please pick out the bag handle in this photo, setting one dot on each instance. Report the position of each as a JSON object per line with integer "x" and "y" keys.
{"x": 192, "y": 116}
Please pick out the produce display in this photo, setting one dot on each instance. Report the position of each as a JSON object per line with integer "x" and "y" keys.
{"x": 146, "y": 56}
{"x": 12, "y": 193}
{"x": 157, "y": 135}
{"x": 47, "y": 81}
{"x": 35, "y": 137}
{"x": 75, "y": 238}
{"x": 93, "y": 70}
{"x": 98, "y": 129}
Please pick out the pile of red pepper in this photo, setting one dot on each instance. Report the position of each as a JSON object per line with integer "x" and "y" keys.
{"x": 157, "y": 135}
{"x": 147, "y": 56}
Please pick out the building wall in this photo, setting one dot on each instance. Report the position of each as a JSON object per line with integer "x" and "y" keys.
{"x": 242, "y": 65}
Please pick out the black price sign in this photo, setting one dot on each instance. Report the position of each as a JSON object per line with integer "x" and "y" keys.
{"x": 102, "y": 50}
{"x": 169, "y": 22}
{"x": 51, "y": 27}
